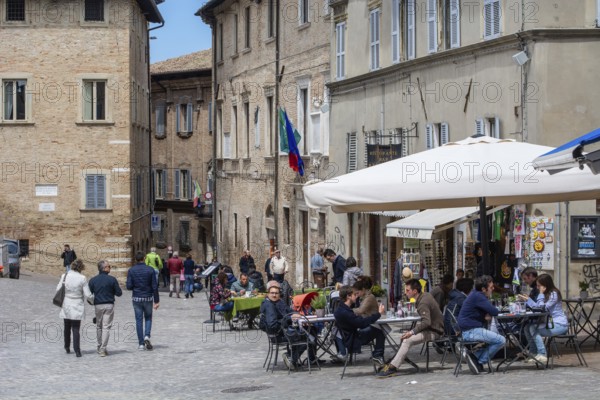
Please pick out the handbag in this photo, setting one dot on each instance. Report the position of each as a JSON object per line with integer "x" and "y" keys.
{"x": 59, "y": 297}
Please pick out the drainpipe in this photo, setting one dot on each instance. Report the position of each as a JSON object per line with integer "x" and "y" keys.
{"x": 557, "y": 229}
{"x": 276, "y": 115}
{"x": 215, "y": 242}
{"x": 568, "y": 250}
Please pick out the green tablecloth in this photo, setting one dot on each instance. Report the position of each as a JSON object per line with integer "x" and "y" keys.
{"x": 246, "y": 303}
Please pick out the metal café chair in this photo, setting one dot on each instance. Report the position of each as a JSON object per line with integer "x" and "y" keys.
{"x": 464, "y": 346}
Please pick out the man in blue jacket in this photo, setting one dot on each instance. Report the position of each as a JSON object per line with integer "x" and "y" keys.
{"x": 358, "y": 330}
{"x": 104, "y": 288}
{"x": 142, "y": 281}
{"x": 475, "y": 312}
{"x": 338, "y": 265}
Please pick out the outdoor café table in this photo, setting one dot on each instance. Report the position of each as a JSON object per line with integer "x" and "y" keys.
{"x": 322, "y": 342}
{"x": 243, "y": 303}
{"x": 521, "y": 319}
{"x": 384, "y": 324}
{"x": 582, "y": 317}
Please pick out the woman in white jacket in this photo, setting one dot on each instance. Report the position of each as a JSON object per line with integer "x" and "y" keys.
{"x": 73, "y": 309}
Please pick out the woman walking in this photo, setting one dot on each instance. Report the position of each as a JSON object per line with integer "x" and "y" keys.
{"x": 73, "y": 309}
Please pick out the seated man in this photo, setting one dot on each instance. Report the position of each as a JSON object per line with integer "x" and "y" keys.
{"x": 431, "y": 326}
{"x": 242, "y": 286}
{"x": 456, "y": 299}
{"x": 273, "y": 311}
{"x": 358, "y": 329}
{"x": 475, "y": 311}
{"x": 256, "y": 278}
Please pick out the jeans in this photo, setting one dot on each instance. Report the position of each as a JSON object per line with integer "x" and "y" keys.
{"x": 495, "y": 342}
{"x": 224, "y": 307}
{"x": 534, "y": 335}
{"x": 143, "y": 310}
{"x": 189, "y": 284}
{"x": 104, "y": 319}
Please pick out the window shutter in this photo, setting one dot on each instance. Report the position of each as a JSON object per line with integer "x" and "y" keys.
{"x": 340, "y": 50}
{"x": 454, "y": 24}
{"x": 497, "y": 128}
{"x": 177, "y": 184}
{"x": 431, "y": 26}
{"x": 480, "y": 127}
{"x": 178, "y": 118}
{"x": 210, "y": 128}
{"x": 164, "y": 183}
{"x": 189, "y": 118}
{"x": 429, "y": 136}
{"x": 410, "y": 29}
{"x": 352, "y": 152}
{"x": 100, "y": 191}
{"x": 190, "y": 186}
{"x": 257, "y": 127}
{"x": 160, "y": 121}
{"x": 395, "y": 31}
{"x": 404, "y": 141}
{"x": 445, "y": 134}
{"x": 316, "y": 134}
{"x": 496, "y": 20}
{"x": 90, "y": 192}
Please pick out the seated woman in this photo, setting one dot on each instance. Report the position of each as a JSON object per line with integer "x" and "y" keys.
{"x": 352, "y": 272}
{"x": 219, "y": 295}
{"x": 368, "y": 303}
{"x": 557, "y": 323}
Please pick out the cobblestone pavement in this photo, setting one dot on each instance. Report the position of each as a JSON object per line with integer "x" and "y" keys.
{"x": 189, "y": 361}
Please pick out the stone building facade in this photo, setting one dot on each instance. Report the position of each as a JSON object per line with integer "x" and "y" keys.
{"x": 421, "y": 73}
{"x": 264, "y": 58}
{"x": 75, "y": 129}
{"x": 182, "y": 145}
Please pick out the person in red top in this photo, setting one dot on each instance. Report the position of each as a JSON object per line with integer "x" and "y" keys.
{"x": 175, "y": 266}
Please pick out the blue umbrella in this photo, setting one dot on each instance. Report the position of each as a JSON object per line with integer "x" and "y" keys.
{"x": 584, "y": 150}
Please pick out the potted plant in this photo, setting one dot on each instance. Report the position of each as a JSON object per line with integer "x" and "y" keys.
{"x": 583, "y": 287}
{"x": 318, "y": 304}
{"x": 381, "y": 295}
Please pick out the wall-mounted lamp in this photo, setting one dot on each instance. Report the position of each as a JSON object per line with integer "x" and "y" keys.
{"x": 520, "y": 58}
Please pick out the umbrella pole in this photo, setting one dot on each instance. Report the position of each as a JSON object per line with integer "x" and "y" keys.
{"x": 485, "y": 242}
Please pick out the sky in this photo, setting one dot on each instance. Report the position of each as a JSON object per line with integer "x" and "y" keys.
{"x": 183, "y": 32}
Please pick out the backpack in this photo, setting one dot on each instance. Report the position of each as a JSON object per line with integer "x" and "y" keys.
{"x": 257, "y": 281}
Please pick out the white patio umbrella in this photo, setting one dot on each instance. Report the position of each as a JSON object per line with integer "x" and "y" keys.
{"x": 475, "y": 171}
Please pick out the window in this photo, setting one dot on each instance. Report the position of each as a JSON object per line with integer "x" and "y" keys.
{"x": 94, "y": 10}
{"x": 184, "y": 117}
{"x": 352, "y": 152}
{"x": 160, "y": 120}
{"x": 374, "y": 38}
{"x": 489, "y": 126}
{"x": 95, "y": 192}
{"x": 432, "y": 34}
{"x": 286, "y": 224}
{"x": 184, "y": 233}
{"x": 14, "y": 97}
{"x": 247, "y": 28}
{"x": 247, "y": 245}
{"x": 257, "y": 127}
{"x": 210, "y": 117}
{"x": 410, "y": 37}
{"x": 234, "y": 128}
{"x": 271, "y": 18}
{"x": 316, "y": 133}
{"x": 227, "y": 145}
{"x": 234, "y": 34}
{"x": 163, "y": 229}
{"x": 94, "y": 100}
{"x": 183, "y": 184}
{"x": 395, "y": 31}
{"x": 160, "y": 184}
{"x": 220, "y": 42}
{"x": 491, "y": 19}
{"x": 303, "y": 11}
{"x": 436, "y": 135}
{"x": 340, "y": 50}
{"x": 15, "y": 10}
{"x": 235, "y": 230}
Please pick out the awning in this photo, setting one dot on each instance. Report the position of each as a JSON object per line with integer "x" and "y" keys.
{"x": 576, "y": 153}
{"x": 423, "y": 224}
{"x": 395, "y": 214}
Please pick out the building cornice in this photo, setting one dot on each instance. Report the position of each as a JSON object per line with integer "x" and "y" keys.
{"x": 489, "y": 46}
